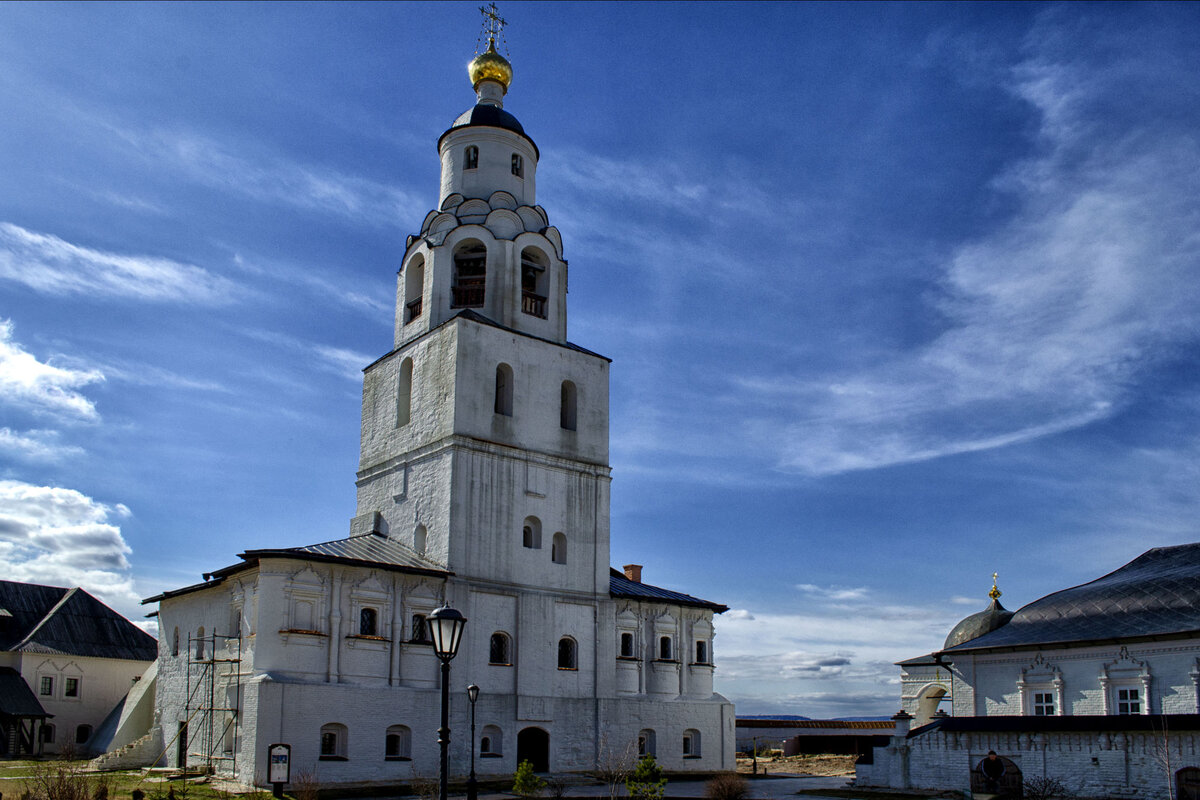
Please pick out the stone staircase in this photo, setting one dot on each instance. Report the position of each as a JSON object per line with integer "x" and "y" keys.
{"x": 141, "y": 752}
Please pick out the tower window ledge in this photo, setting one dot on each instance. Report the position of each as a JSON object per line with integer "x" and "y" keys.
{"x": 533, "y": 304}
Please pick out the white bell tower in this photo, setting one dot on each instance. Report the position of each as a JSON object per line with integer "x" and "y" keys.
{"x": 485, "y": 432}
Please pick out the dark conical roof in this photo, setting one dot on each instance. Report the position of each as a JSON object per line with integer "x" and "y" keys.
{"x": 488, "y": 116}
{"x": 976, "y": 625}
{"x": 1156, "y": 594}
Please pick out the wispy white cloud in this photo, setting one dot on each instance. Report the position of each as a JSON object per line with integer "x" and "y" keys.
{"x": 48, "y": 264}
{"x": 1050, "y": 318}
{"x": 62, "y": 537}
{"x": 42, "y": 387}
{"x": 273, "y": 178}
{"x": 36, "y": 445}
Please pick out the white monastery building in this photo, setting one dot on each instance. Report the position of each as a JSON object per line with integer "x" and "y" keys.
{"x": 1096, "y": 686}
{"x": 70, "y": 668}
{"x": 483, "y": 485}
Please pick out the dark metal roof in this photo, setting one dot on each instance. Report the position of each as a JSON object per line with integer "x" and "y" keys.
{"x": 1156, "y": 594}
{"x": 993, "y": 617}
{"x": 16, "y": 699}
{"x": 489, "y": 116}
{"x": 369, "y": 549}
{"x": 1158, "y": 723}
{"x": 620, "y": 586}
{"x": 54, "y": 620}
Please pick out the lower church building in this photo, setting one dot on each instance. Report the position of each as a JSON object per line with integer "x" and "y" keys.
{"x": 483, "y": 485}
{"x": 1096, "y": 687}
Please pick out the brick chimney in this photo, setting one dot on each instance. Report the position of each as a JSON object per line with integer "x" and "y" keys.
{"x": 634, "y": 572}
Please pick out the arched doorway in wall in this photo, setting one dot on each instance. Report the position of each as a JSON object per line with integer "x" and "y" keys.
{"x": 929, "y": 699}
{"x": 1011, "y": 786}
{"x": 1187, "y": 783}
{"x": 533, "y": 745}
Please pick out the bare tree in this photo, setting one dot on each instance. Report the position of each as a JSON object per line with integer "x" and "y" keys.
{"x": 614, "y": 765}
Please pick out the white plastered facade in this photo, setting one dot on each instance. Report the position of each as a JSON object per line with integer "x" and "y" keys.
{"x": 477, "y": 426}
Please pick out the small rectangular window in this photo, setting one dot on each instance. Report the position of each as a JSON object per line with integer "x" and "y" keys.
{"x": 1129, "y": 701}
{"x": 420, "y": 632}
{"x": 72, "y": 688}
{"x": 701, "y": 652}
{"x": 1043, "y": 704}
{"x": 47, "y": 687}
{"x": 626, "y": 645}
{"x": 518, "y": 165}
{"x": 664, "y": 648}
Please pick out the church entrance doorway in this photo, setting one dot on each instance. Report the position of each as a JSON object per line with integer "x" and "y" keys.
{"x": 533, "y": 745}
{"x": 1010, "y": 786}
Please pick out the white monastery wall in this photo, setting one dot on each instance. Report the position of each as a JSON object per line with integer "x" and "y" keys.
{"x": 496, "y": 148}
{"x": 101, "y": 683}
{"x": 1111, "y": 765}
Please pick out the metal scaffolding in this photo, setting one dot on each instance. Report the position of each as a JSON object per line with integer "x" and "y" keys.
{"x": 210, "y": 737}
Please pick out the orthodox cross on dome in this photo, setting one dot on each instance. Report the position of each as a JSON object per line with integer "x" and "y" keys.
{"x": 995, "y": 592}
{"x": 493, "y": 27}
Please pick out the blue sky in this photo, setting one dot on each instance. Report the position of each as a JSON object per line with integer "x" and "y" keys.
{"x": 897, "y": 295}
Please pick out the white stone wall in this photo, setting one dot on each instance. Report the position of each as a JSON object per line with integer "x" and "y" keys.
{"x": 1114, "y": 765}
{"x": 496, "y": 147}
{"x": 1083, "y": 679}
{"x": 103, "y": 682}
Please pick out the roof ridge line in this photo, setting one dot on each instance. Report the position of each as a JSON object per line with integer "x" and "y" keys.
{"x": 53, "y": 610}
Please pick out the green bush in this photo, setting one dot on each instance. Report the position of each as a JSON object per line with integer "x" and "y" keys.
{"x": 646, "y": 782}
{"x": 525, "y": 783}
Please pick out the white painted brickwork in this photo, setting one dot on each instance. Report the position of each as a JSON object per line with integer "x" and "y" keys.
{"x": 454, "y": 475}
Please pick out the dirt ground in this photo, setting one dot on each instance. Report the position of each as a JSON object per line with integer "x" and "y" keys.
{"x": 822, "y": 765}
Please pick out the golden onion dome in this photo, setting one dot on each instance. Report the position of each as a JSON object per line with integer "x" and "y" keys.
{"x": 490, "y": 66}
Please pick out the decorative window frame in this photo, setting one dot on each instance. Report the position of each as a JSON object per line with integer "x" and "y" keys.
{"x": 306, "y": 586}
{"x": 627, "y": 623}
{"x": 1040, "y": 676}
{"x": 370, "y": 593}
{"x": 1125, "y": 672}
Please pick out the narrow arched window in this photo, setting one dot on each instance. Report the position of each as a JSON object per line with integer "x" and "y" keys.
{"x": 701, "y": 652}
{"x": 397, "y": 743}
{"x": 414, "y": 289}
{"x": 404, "y": 393}
{"x": 691, "y": 743}
{"x": 498, "y": 650}
{"x": 566, "y": 409}
{"x": 531, "y": 533}
{"x": 491, "y": 744}
{"x": 175, "y": 643}
{"x": 664, "y": 648}
{"x": 419, "y": 537}
{"x": 470, "y": 275}
{"x": 504, "y": 390}
{"x": 535, "y": 282}
{"x": 646, "y": 742}
{"x": 200, "y": 644}
{"x": 333, "y": 742}
{"x": 627, "y": 645}
{"x": 566, "y": 653}
{"x": 518, "y": 165}
{"x": 558, "y": 548}
{"x": 368, "y": 622}
{"x": 471, "y": 158}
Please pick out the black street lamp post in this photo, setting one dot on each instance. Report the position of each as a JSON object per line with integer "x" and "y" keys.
{"x": 445, "y": 628}
{"x": 472, "y": 786}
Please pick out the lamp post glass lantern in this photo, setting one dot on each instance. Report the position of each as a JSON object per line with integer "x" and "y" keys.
{"x": 472, "y": 786}
{"x": 445, "y": 629}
